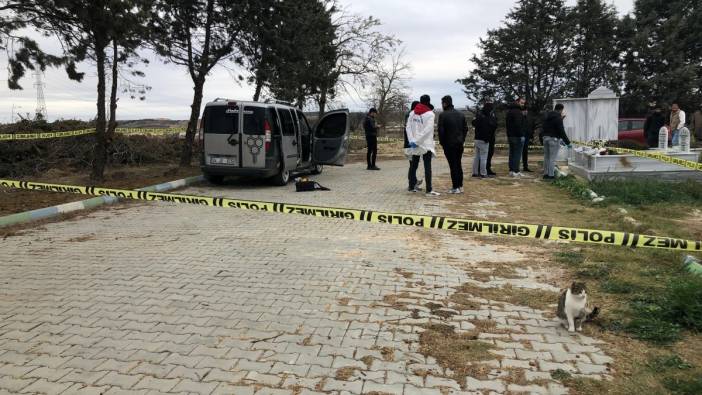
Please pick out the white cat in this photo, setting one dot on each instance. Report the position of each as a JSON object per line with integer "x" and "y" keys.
{"x": 573, "y": 309}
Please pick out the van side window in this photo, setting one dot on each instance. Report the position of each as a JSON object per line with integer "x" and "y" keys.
{"x": 331, "y": 127}
{"x": 274, "y": 121}
{"x": 287, "y": 121}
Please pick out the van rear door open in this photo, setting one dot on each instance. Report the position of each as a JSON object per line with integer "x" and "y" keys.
{"x": 221, "y": 135}
{"x": 331, "y": 139}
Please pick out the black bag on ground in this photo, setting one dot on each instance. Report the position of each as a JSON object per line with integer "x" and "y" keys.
{"x": 308, "y": 186}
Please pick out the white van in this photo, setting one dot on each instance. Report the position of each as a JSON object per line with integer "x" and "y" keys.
{"x": 269, "y": 140}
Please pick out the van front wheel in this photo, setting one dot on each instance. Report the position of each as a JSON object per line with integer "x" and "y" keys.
{"x": 283, "y": 176}
{"x": 317, "y": 169}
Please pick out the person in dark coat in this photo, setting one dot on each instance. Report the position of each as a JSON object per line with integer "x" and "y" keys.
{"x": 485, "y": 125}
{"x": 553, "y": 134}
{"x": 453, "y": 130}
{"x": 371, "y": 128}
{"x": 516, "y": 126}
{"x": 654, "y": 122}
{"x": 529, "y": 127}
{"x": 491, "y": 121}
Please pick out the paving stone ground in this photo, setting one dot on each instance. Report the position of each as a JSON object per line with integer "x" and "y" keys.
{"x": 161, "y": 298}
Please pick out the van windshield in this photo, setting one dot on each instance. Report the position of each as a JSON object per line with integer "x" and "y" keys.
{"x": 254, "y": 118}
{"x": 218, "y": 121}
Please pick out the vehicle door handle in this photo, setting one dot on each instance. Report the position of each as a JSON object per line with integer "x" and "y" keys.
{"x": 233, "y": 142}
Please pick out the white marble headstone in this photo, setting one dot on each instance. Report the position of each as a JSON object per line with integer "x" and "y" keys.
{"x": 593, "y": 118}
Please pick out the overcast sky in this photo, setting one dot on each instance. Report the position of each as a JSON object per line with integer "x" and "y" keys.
{"x": 440, "y": 37}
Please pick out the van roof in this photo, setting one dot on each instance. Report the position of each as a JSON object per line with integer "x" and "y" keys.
{"x": 224, "y": 102}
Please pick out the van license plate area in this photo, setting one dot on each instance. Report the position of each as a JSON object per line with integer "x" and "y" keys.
{"x": 224, "y": 160}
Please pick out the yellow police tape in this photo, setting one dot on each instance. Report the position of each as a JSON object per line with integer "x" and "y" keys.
{"x": 543, "y": 232}
{"x": 651, "y": 155}
{"x": 83, "y": 132}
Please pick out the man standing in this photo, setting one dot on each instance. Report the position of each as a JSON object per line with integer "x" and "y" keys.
{"x": 529, "y": 128}
{"x": 492, "y": 122}
{"x": 553, "y": 133}
{"x": 677, "y": 122}
{"x": 485, "y": 125}
{"x": 515, "y": 123}
{"x": 654, "y": 122}
{"x": 696, "y": 125}
{"x": 453, "y": 129}
{"x": 371, "y": 128}
{"x": 420, "y": 134}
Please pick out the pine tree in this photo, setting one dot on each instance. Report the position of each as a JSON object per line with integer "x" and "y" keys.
{"x": 664, "y": 60}
{"x": 594, "y": 53}
{"x": 528, "y": 57}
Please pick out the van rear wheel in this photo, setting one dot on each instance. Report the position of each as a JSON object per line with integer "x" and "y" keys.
{"x": 283, "y": 176}
{"x": 217, "y": 180}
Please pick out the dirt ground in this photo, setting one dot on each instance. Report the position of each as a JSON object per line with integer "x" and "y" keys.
{"x": 15, "y": 200}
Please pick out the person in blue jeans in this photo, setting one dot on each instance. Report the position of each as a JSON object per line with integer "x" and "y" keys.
{"x": 516, "y": 126}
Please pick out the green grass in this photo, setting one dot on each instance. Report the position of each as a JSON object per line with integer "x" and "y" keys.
{"x": 639, "y": 192}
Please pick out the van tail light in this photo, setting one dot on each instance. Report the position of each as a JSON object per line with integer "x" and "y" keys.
{"x": 268, "y": 137}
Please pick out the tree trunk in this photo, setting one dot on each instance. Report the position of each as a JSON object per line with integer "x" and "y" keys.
{"x": 100, "y": 151}
{"x": 112, "y": 124}
{"x": 187, "y": 153}
{"x": 322, "y": 102}
{"x": 259, "y": 88}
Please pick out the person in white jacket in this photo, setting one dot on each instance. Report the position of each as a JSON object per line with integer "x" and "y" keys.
{"x": 420, "y": 134}
{"x": 677, "y": 122}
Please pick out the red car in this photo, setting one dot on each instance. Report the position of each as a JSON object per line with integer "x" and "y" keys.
{"x": 632, "y": 129}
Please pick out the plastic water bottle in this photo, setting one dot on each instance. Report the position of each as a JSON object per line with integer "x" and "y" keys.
{"x": 663, "y": 139}
{"x": 692, "y": 265}
{"x": 684, "y": 140}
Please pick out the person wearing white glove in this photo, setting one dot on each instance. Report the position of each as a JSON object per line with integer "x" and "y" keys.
{"x": 420, "y": 135}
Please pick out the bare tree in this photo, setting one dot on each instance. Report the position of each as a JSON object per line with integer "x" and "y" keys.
{"x": 389, "y": 91}
{"x": 358, "y": 46}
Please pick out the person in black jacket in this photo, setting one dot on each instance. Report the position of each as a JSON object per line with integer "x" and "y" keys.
{"x": 553, "y": 134}
{"x": 371, "y": 128}
{"x": 654, "y": 122}
{"x": 491, "y": 120}
{"x": 529, "y": 128}
{"x": 453, "y": 129}
{"x": 516, "y": 126}
{"x": 485, "y": 125}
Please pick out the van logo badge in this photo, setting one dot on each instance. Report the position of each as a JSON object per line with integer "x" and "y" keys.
{"x": 255, "y": 144}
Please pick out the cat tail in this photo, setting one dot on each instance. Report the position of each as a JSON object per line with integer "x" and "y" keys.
{"x": 593, "y": 314}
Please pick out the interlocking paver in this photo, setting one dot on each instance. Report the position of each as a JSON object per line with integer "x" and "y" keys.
{"x": 207, "y": 300}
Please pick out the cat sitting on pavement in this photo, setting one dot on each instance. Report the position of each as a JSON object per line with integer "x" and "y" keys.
{"x": 573, "y": 309}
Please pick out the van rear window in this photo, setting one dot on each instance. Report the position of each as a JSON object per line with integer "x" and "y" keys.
{"x": 254, "y": 117}
{"x": 217, "y": 121}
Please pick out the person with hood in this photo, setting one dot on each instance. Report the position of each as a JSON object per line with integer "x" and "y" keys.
{"x": 654, "y": 122}
{"x": 485, "y": 125}
{"x": 371, "y": 128}
{"x": 420, "y": 135}
{"x": 696, "y": 125}
{"x": 553, "y": 133}
{"x": 453, "y": 130}
{"x": 516, "y": 125}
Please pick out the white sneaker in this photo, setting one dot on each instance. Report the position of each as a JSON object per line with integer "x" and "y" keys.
{"x": 520, "y": 174}
{"x": 454, "y": 191}
{"x": 513, "y": 174}
{"x": 433, "y": 194}
{"x": 460, "y": 190}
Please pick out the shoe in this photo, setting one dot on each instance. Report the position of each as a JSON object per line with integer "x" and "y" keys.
{"x": 433, "y": 194}
{"x": 414, "y": 190}
{"x": 491, "y": 173}
{"x": 513, "y": 174}
{"x": 527, "y": 170}
{"x": 454, "y": 191}
{"x": 476, "y": 176}
{"x": 483, "y": 177}
{"x": 374, "y": 168}
{"x": 549, "y": 177}
{"x": 460, "y": 190}
{"x": 519, "y": 174}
